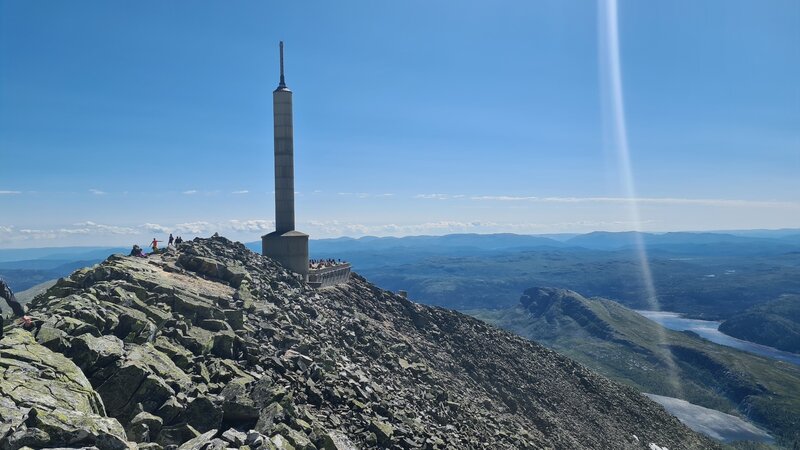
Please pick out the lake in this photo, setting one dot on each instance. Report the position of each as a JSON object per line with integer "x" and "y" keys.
{"x": 709, "y": 329}
{"x": 718, "y": 425}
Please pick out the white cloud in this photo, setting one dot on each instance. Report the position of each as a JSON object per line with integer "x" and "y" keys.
{"x": 51, "y": 234}
{"x": 110, "y": 229}
{"x": 439, "y": 196}
{"x": 640, "y": 200}
{"x": 241, "y": 192}
{"x": 81, "y": 228}
{"x": 250, "y": 225}
{"x": 364, "y": 194}
{"x": 190, "y": 192}
{"x": 199, "y": 228}
{"x": 10, "y": 192}
{"x": 97, "y": 192}
{"x": 155, "y": 228}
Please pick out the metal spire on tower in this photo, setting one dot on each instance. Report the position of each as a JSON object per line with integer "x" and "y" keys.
{"x": 283, "y": 82}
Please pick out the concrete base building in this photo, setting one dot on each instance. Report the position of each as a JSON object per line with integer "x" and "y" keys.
{"x": 289, "y": 248}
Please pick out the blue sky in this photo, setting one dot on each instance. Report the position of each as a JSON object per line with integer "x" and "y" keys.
{"x": 120, "y": 120}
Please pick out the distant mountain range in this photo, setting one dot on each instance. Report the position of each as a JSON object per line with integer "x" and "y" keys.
{"x": 598, "y": 240}
{"x": 24, "y": 269}
{"x": 21, "y": 255}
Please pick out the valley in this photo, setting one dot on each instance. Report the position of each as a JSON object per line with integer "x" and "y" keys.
{"x": 626, "y": 346}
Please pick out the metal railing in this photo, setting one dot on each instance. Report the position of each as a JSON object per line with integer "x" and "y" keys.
{"x": 329, "y": 276}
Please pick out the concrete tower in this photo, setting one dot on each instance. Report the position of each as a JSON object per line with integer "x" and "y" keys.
{"x": 286, "y": 245}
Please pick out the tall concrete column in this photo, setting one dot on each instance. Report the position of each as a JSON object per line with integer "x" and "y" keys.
{"x": 284, "y": 155}
{"x": 286, "y": 245}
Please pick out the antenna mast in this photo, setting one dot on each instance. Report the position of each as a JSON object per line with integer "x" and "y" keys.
{"x": 283, "y": 82}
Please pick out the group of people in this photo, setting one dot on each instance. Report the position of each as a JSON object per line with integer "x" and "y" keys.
{"x": 172, "y": 243}
{"x": 322, "y": 263}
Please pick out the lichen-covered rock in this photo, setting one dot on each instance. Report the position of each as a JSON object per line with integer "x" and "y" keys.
{"x": 46, "y": 401}
{"x": 335, "y": 440}
{"x": 31, "y": 374}
{"x": 176, "y": 435}
{"x": 383, "y": 432}
{"x": 70, "y": 428}
{"x": 92, "y": 353}
{"x": 203, "y": 414}
{"x": 199, "y": 442}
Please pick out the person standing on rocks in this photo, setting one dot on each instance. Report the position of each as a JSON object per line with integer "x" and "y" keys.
{"x": 171, "y": 239}
{"x": 154, "y": 245}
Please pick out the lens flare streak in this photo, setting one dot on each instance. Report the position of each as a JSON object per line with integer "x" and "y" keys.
{"x": 611, "y": 89}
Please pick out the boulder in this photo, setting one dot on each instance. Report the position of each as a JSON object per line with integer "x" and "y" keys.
{"x": 199, "y": 442}
{"x": 383, "y": 431}
{"x": 176, "y": 435}
{"x": 144, "y": 422}
{"x": 170, "y": 410}
{"x": 69, "y": 428}
{"x": 53, "y": 338}
{"x": 268, "y": 417}
{"x": 134, "y": 326}
{"x": 224, "y": 344}
{"x": 281, "y": 443}
{"x": 177, "y": 354}
{"x": 297, "y": 439}
{"x": 234, "y": 437}
{"x": 118, "y": 389}
{"x": 237, "y": 405}
{"x": 203, "y": 414}
{"x": 92, "y": 353}
{"x": 32, "y": 375}
{"x": 336, "y": 440}
{"x": 27, "y": 438}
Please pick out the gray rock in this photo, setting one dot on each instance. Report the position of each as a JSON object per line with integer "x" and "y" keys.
{"x": 28, "y": 437}
{"x": 149, "y": 421}
{"x": 197, "y": 443}
{"x": 383, "y": 431}
{"x": 235, "y": 437}
{"x": 336, "y": 440}
{"x": 203, "y": 414}
{"x": 170, "y": 410}
{"x": 69, "y": 428}
{"x": 268, "y": 417}
{"x": 176, "y": 435}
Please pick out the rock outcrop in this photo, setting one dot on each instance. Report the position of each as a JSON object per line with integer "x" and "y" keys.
{"x": 214, "y": 346}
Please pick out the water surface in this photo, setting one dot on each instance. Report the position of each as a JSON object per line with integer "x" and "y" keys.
{"x": 713, "y": 423}
{"x": 709, "y": 329}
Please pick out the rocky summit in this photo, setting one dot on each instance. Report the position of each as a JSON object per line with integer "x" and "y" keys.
{"x": 213, "y": 346}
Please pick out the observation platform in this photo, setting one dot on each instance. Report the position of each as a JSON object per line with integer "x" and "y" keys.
{"x": 326, "y": 275}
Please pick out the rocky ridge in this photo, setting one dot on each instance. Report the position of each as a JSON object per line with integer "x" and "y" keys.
{"x": 214, "y": 347}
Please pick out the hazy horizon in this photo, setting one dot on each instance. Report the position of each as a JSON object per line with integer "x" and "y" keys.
{"x": 140, "y": 238}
